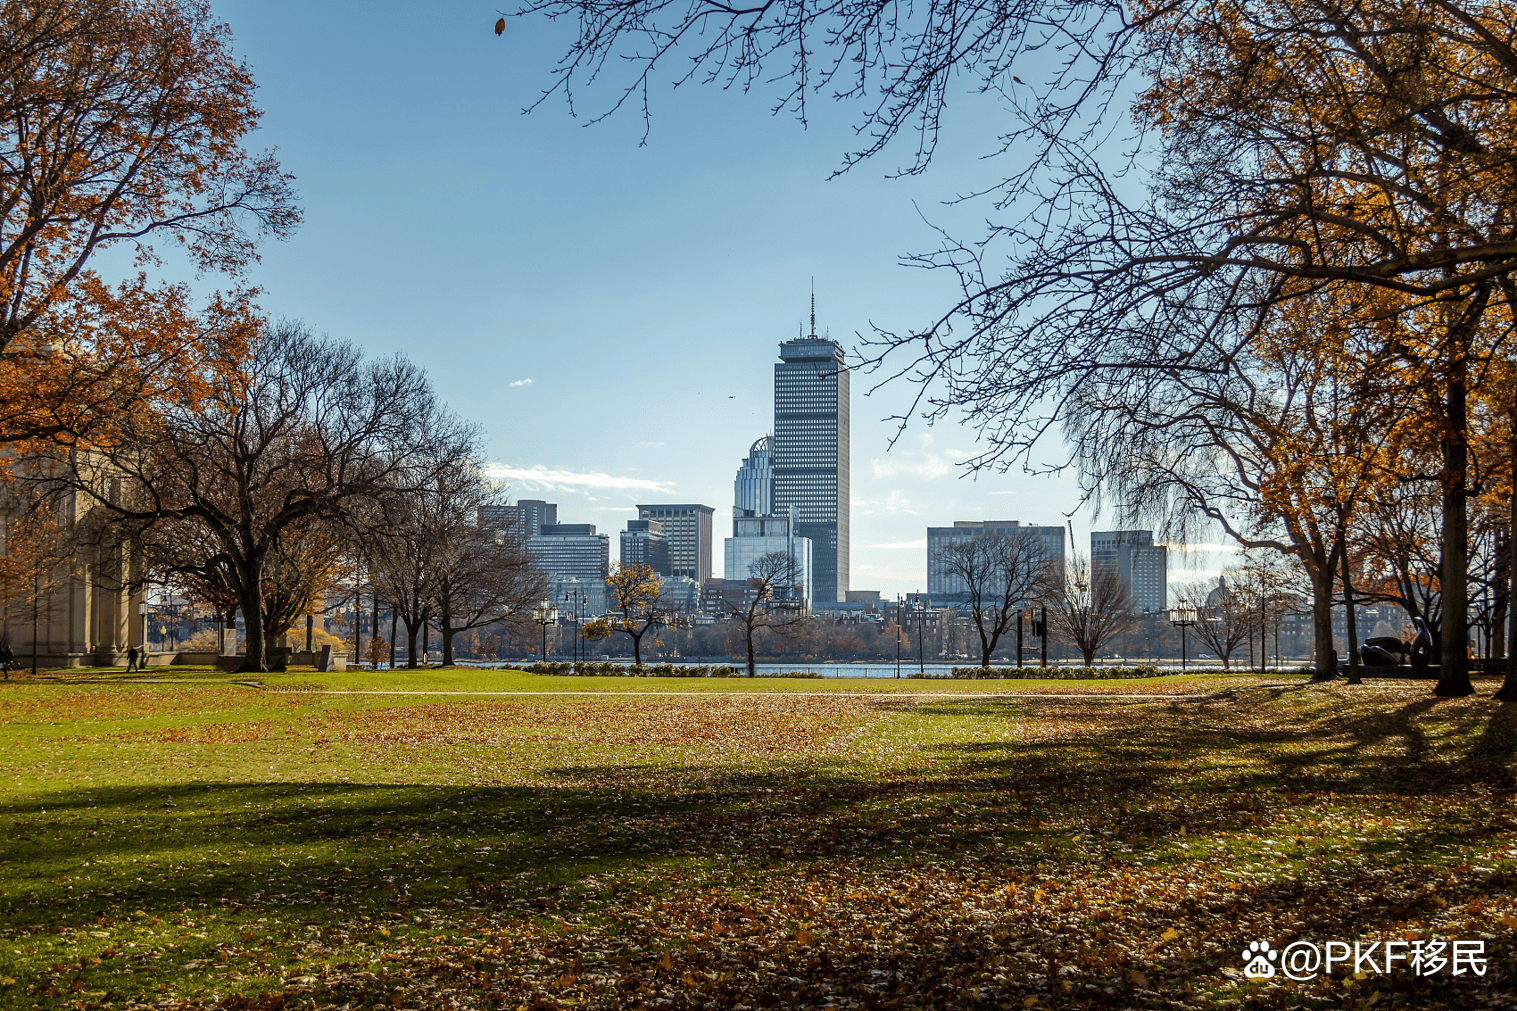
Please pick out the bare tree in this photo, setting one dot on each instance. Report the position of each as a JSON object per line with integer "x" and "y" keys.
{"x": 305, "y": 430}
{"x": 1091, "y": 605}
{"x": 479, "y": 575}
{"x": 1221, "y": 613}
{"x": 1000, "y": 571}
{"x": 767, "y": 604}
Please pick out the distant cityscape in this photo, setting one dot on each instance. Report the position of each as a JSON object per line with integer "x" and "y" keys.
{"x": 790, "y": 495}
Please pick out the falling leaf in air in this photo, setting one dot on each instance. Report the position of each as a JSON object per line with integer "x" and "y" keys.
{"x": 500, "y": 26}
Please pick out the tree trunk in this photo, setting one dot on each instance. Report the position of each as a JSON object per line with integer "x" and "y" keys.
{"x": 1508, "y": 692}
{"x": 393, "y": 619}
{"x": 1351, "y": 626}
{"x": 445, "y": 631}
{"x": 1322, "y": 621}
{"x": 1454, "y": 671}
{"x": 752, "y": 670}
{"x": 411, "y": 631}
{"x": 250, "y": 602}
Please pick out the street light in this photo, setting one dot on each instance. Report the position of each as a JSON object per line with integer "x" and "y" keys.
{"x": 545, "y": 614}
{"x": 898, "y": 647}
{"x": 921, "y": 626}
{"x": 1182, "y": 618}
{"x": 576, "y": 597}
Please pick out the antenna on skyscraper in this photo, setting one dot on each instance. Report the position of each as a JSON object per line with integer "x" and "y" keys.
{"x": 813, "y": 306}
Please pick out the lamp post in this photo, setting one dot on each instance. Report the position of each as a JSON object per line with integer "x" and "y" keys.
{"x": 1182, "y": 618}
{"x": 921, "y": 628}
{"x": 575, "y": 598}
{"x": 545, "y": 614}
{"x": 898, "y": 652}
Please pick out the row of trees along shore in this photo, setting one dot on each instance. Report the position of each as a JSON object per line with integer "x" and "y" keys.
{"x": 191, "y": 441}
{"x": 1253, "y": 262}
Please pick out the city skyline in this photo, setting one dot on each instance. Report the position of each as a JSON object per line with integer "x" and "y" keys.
{"x": 557, "y": 261}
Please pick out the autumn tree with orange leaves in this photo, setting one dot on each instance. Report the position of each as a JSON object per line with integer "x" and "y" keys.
{"x": 124, "y": 124}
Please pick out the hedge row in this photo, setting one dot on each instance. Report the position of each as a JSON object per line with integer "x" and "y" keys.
{"x": 604, "y": 668}
{"x": 1052, "y": 673}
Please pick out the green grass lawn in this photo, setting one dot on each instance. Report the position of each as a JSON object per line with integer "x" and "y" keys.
{"x": 186, "y": 840}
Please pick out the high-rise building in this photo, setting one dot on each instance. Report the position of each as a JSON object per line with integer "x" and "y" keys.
{"x": 943, "y": 585}
{"x": 644, "y": 543}
{"x": 571, "y": 550}
{"x": 687, "y": 528}
{"x": 523, "y": 518}
{"x": 811, "y": 453}
{"x": 753, "y": 491}
{"x": 753, "y": 537}
{"x": 1140, "y": 563}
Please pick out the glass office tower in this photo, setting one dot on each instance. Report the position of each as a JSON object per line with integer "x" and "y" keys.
{"x": 811, "y": 454}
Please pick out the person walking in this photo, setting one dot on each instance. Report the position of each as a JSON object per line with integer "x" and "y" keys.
{"x": 131, "y": 660}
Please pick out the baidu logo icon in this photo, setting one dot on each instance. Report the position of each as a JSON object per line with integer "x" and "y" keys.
{"x": 1258, "y": 960}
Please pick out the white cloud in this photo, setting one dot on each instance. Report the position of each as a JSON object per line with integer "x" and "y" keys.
{"x": 648, "y": 445}
{"x": 522, "y": 382}
{"x": 540, "y": 478}
{"x": 923, "y": 463}
{"x": 919, "y": 545}
{"x": 894, "y": 504}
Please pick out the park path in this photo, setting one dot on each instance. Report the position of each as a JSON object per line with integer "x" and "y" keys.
{"x": 772, "y": 694}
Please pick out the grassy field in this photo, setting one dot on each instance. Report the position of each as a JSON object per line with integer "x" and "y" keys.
{"x": 430, "y": 840}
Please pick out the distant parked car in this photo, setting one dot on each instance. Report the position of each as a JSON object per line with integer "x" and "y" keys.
{"x": 1205, "y": 656}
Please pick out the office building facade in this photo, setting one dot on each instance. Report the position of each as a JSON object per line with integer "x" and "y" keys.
{"x": 811, "y": 454}
{"x": 585, "y": 597}
{"x": 644, "y": 543}
{"x": 572, "y": 551}
{"x": 523, "y": 518}
{"x": 943, "y": 586}
{"x": 1140, "y": 563}
{"x": 753, "y": 537}
{"x": 687, "y": 528}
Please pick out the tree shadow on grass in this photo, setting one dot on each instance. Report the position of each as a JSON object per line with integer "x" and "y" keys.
{"x": 999, "y": 809}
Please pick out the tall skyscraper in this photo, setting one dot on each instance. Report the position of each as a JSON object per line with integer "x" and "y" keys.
{"x": 687, "y": 528}
{"x": 1141, "y": 564}
{"x": 811, "y": 453}
{"x": 753, "y": 491}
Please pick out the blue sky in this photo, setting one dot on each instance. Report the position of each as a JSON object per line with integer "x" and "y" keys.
{"x": 609, "y": 312}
